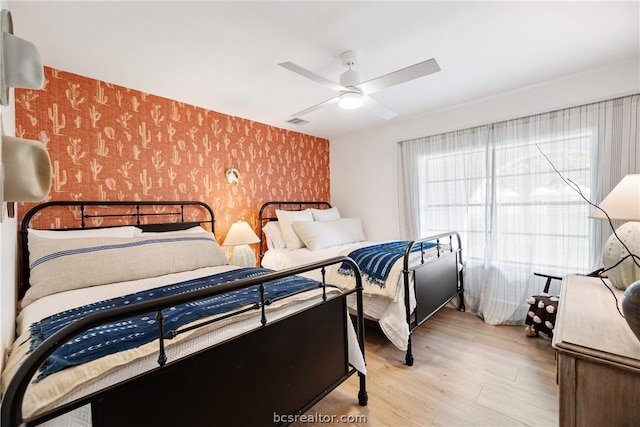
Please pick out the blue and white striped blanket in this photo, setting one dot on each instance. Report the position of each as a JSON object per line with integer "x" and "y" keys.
{"x": 380, "y": 266}
{"x": 134, "y": 332}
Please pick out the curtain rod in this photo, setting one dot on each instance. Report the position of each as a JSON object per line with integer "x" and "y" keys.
{"x": 521, "y": 118}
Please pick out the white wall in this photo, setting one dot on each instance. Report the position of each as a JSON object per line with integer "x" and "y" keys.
{"x": 364, "y": 165}
{"x": 8, "y": 258}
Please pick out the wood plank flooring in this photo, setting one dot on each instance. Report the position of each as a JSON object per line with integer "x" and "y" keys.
{"x": 466, "y": 373}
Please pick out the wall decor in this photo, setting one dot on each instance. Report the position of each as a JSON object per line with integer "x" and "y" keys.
{"x": 25, "y": 170}
{"x": 108, "y": 142}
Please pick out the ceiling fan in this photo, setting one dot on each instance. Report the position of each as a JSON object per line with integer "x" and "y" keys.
{"x": 354, "y": 93}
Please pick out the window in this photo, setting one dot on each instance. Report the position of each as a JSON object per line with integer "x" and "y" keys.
{"x": 516, "y": 215}
{"x": 510, "y": 194}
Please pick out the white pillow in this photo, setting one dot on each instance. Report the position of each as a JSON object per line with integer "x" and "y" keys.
{"x": 126, "y": 231}
{"x": 330, "y": 214}
{"x": 286, "y": 218}
{"x": 273, "y": 233}
{"x": 58, "y": 265}
{"x": 324, "y": 234}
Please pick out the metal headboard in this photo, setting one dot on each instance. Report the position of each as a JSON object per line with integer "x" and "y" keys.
{"x": 268, "y": 213}
{"x": 147, "y": 215}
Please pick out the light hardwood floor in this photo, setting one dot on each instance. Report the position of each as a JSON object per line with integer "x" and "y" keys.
{"x": 466, "y": 373}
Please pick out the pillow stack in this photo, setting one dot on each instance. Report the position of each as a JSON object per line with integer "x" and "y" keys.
{"x": 313, "y": 229}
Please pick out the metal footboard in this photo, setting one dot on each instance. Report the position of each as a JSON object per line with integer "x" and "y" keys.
{"x": 435, "y": 281}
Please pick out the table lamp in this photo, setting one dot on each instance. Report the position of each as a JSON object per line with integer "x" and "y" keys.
{"x": 623, "y": 204}
{"x": 241, "y": 236}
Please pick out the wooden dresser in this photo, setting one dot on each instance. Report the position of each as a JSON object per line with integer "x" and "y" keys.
{"x": 598, "y": 357}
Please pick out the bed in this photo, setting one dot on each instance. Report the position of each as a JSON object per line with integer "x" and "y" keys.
{"x": 162, "y": 331}
{"x": 421, "y": 276}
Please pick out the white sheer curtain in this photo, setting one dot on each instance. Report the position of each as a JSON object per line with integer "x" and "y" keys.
{"x": 496, "y": 185}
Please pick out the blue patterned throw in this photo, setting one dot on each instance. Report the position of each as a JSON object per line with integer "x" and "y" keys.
{"x": 376, "y": 261}
{"x": 134, "y": 332}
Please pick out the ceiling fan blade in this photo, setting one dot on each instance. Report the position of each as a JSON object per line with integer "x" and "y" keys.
{"x": 377, "y": 108}
{"x": 315, "y": 107}
{"x": 401, "y": 76}
{"x": 313, "y": 76}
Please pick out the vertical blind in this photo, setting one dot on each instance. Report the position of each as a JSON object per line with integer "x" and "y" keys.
{"x": 515, "y": 191}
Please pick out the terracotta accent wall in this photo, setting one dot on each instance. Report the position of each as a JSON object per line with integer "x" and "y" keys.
{"x": 109, "y": 142}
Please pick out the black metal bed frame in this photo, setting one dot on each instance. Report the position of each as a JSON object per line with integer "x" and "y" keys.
{"x": 282, "y": 368}
{"x": 436, "y": 281}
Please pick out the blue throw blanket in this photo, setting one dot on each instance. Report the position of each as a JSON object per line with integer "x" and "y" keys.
{"x": 134, "y": 332}
{"x": 376, "y": 261}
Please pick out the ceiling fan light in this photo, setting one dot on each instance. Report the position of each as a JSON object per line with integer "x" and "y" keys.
{"x": 350, "y": 100}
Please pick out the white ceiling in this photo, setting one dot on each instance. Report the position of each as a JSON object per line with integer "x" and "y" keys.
{"x": 223, "y": 56}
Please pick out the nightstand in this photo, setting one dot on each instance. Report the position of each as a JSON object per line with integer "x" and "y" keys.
{"x": 598, "y": 357}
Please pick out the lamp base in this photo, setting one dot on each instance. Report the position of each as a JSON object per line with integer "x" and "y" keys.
{"x": 631, "y": 307}
{"x": 627, "y": 272}
{"x": 243, "y": 256}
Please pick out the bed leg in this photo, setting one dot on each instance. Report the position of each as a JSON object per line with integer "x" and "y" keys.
{"x": 462, "y": 307}
{"x": 408, "y": 359}
{"x": 363, "y": 397}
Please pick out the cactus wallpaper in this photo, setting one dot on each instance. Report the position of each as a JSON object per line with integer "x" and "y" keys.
{"x": 109, "y": 142}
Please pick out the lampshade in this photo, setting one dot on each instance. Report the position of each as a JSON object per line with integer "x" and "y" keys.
{"x": 623, "y": 204}
{"x": 240, "y": 233}
{"x": 350, "y": 100}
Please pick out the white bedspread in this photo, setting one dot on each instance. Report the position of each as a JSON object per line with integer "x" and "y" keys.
{"x": 72, "y": 383}
{"x": 390, "y": 313}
